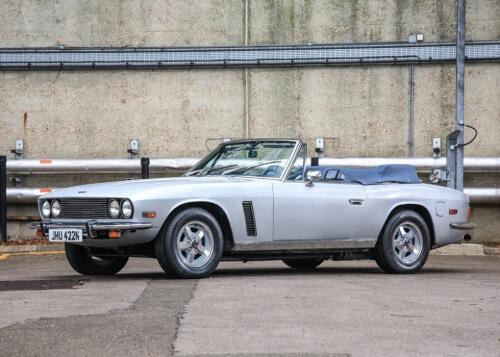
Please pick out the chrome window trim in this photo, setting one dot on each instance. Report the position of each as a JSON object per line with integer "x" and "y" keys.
{"x": 295, "y": 153}
{"x": 291, "y": 159}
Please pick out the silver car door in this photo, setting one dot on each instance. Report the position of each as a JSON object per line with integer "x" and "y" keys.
{"x": 322, "y": 211}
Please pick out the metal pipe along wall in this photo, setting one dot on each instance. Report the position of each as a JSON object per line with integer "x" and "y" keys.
{"x": 126, "y": 166}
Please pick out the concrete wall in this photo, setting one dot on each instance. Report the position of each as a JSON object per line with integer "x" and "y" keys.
{"x": 362, "y": 111}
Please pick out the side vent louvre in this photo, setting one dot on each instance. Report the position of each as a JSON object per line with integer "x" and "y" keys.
{"x": 249, "y": 218}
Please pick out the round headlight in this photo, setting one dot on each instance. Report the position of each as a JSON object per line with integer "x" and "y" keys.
{"x": 45, "y": 209}
{"x": 126, "y": 209}
{"x": 114, "y": 209}
{"x": 56, "y": 209}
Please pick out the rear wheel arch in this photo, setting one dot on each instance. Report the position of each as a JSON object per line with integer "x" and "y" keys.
{"x": 216, "y": 210}
{"x": 420, "y": 209}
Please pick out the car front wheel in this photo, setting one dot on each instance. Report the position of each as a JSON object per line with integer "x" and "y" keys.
{"x": 84, "y": 263}
{"x": 191, "y": 246}
{"x": 404, "y": 245}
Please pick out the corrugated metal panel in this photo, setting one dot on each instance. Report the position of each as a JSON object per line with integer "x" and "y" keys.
{"x": 243, "y": 56}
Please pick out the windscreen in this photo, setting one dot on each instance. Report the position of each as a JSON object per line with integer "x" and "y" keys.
{"x": 253, "y": 158}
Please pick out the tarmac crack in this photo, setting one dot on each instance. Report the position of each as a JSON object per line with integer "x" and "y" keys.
{"x": 180, "y": 316}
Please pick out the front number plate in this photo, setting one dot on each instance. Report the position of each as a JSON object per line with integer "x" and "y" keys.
{"x": 66, "y": 235}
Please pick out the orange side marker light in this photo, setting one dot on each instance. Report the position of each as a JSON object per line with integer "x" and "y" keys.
{"x": 453, "y": 211}
{"x": 149, "y": 214}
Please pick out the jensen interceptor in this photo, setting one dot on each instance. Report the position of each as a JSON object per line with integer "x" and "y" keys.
{"x": 256, "y": 200}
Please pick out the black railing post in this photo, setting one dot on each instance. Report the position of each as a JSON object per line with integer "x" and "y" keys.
{"x": 144, "y": 167}
{"x": 3, "y": 199}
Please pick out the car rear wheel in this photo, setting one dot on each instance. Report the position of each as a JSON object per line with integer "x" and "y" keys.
{"x": 84, "y": 263}
{"x": 404, "y": 245}
{"x": 303, "y": 264}
{"x": 191, "y": 246}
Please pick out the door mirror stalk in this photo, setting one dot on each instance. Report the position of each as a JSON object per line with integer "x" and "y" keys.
{"x": 312, "y": 176}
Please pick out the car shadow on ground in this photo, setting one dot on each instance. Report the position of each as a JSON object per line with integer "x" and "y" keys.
{"x": 223, "y": 272}
{"x": 283, "y": 271}
{"x": 323, "y": 271}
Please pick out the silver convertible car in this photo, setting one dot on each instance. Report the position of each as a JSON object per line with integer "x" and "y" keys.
{"x": 256, "y": 200}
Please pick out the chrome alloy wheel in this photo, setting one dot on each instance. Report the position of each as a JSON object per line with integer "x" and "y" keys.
{"x": 407, "y": 242}
{"x": 195, "y": 244}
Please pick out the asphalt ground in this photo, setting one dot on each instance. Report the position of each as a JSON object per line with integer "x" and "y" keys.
{"x": 452, "y": 308}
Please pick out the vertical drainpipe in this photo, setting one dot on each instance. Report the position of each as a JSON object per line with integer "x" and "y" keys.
{"x": 410, "y": 109}
{"x": 459, "y": 111}
{"x": 246, "y": 110}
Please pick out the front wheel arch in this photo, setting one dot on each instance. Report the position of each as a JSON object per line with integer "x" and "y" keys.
{"x": 421, "y": 210}
{"x": 218, "y": 212}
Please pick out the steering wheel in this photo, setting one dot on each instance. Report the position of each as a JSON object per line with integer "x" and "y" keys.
{"x": 296, "y": 174}
{"x": 273, "y": 171}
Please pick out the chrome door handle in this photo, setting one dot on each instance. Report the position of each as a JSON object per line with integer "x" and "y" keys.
{"x": 356, "y": 201}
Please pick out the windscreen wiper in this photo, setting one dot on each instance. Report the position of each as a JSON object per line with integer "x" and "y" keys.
{"x": 245, "y": 169}
{"x": 208, "y": 170}
{"x": 192, "y": 173}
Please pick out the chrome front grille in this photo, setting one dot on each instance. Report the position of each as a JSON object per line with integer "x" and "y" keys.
{"x": 84, "y": 208}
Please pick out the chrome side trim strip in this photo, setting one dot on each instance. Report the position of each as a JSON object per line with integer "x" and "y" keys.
{"x": 306, "y": 245}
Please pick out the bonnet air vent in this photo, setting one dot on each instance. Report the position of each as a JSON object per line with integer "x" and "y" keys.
{"x": 249, "y": 218}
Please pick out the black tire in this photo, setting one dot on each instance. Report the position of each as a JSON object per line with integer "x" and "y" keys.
{"x": 84, "y": 263}
{"x": 303, "y": 264}
{"x": 387, "y": 257}
{"x": 166, "y": 245}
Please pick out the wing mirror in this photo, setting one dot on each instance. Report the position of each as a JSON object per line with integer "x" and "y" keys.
{"x": 312, "y": 176}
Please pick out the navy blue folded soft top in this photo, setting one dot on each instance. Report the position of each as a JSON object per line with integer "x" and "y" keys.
{"x": 369, "y": 176}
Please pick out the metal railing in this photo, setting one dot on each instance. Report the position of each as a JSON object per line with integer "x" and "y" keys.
{"x": 179, "y": 165}
{"x": 422, "y": 164}
{"x": 144, "y": 166}
{"x": 97, "y": 166}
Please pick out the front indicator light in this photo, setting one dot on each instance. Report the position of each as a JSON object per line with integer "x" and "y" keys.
{"x": 453, "y": 211}
{"x": 126, "y": 209}
{"x": 45, "y": 209}
{"x": 114, "y": 234}
{"x": 56, "y": 209}
{"x": 114, "y": 209}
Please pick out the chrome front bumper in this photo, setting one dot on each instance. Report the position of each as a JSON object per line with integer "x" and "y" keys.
{"x": 90, "y": 228}
{"x": 463, "y": 226}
